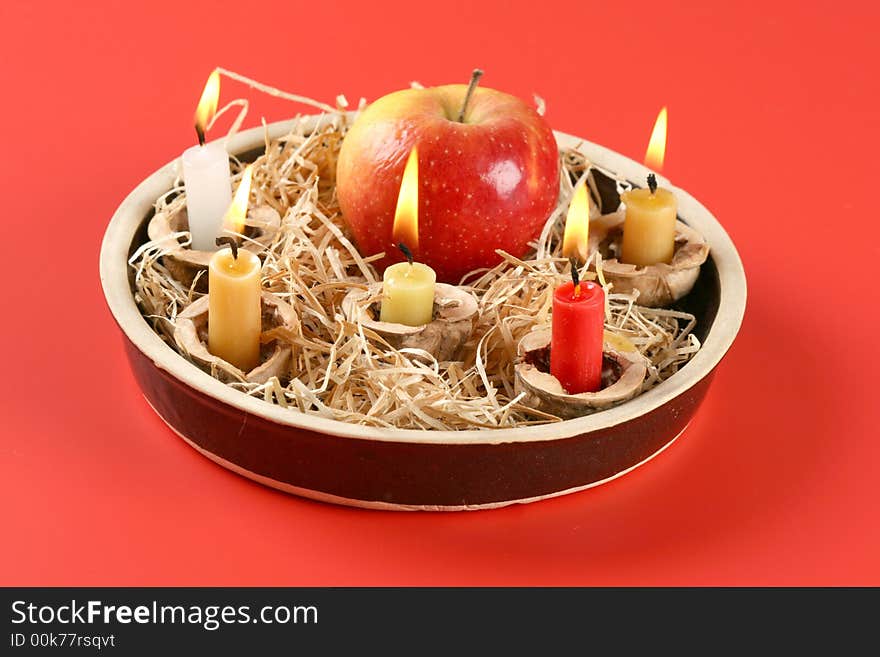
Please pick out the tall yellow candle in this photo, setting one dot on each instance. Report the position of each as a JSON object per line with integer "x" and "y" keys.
{"x": 234, "y": 312}
{"x": 408, "y": 287}
{"x": 649, "y": 226}
{"x": 234, "y": 308}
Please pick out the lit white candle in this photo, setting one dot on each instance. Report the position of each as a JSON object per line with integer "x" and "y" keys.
{"x": 206, "y": 176}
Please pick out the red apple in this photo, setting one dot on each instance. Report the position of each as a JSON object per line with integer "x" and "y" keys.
{"x": 485, "y": 183}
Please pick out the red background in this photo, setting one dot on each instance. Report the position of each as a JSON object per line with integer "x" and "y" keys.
{"x": 773, "y": 125}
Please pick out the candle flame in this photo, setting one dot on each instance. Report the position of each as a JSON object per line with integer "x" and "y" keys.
{"x": 657, "y": 145}
{"x": 207, "y": 106}
{"x": 233, "y": 220}
{"x": 575, "y": 239}
{"x": 406, "y": 216}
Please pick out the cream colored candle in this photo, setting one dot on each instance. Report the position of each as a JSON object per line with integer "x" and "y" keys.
{"x": 408, "y": 287}
{"x": 234, "y": 310}
{"x": 649, "y": 226}
{"x": 408, "y": 294}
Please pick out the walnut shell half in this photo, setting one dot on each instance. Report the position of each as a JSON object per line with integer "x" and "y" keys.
{"x": 191, "y": 335}
{"x": 658, "y": 285}
{"x": 184, "y": 263}
{"x": 623, "y": 371}
{"x": 454, "y": 313}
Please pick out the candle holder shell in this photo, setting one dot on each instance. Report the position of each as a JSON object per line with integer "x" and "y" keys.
{"x": 658, "y": 285}
{"x": 623, "y": 371}
{"x": 191, "y": 335}
{"x": 185, "y": 263}
{"x": 454, "y": 313}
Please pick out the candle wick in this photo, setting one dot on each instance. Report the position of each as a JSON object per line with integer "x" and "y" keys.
{"x": 403, "y": 247}
{"x": 230, "y": 241}
{"x": 652, "y": 182}
{"x": 475, "y": 79}
{"x": 575, "y": 278}
{"x": 201, "y": 133}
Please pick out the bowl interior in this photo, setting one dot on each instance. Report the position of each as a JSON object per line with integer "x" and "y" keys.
{"x": 717, "y": 301}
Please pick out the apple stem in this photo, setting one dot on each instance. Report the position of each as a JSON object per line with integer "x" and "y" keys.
{"x": 475, "y": 80}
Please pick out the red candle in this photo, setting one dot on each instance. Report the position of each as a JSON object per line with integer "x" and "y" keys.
{"x": 576, "y": 341}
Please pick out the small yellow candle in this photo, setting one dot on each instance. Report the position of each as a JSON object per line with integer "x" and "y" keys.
{"x": 408, "y": 294}
{"x": 408, "y": 287}
{"x": 234, "y": 308}
{"x": 649, "y": 226}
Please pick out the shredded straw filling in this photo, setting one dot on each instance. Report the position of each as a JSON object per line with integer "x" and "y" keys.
{"x": 341, "y": 370}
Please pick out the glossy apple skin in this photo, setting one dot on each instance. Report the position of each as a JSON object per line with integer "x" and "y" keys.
{"x": 487, "y": 183}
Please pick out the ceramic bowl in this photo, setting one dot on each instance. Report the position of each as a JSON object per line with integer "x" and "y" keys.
{"x": 369, "y": 467}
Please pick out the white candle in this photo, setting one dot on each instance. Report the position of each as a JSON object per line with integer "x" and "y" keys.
{"x": 208, "y": 192}
{"x": 206, "y": 175}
